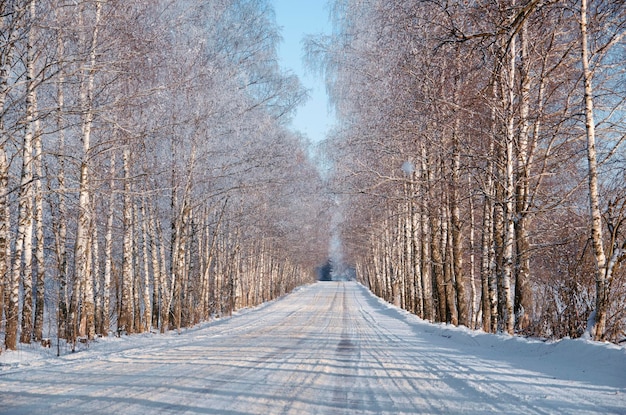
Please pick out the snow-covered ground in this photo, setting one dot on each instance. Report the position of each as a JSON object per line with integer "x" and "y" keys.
{"x": 328, "y": 348}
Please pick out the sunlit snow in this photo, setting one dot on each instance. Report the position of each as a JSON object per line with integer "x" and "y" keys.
{"x": 328, "y": 348}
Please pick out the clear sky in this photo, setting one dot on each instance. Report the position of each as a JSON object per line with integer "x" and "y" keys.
{"x": 298, "y": 18}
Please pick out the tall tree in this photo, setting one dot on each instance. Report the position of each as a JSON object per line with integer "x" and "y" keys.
{"x": 605, "y": 266}
{"x": 10, "y": 21}
{"x": 24, "y": 245}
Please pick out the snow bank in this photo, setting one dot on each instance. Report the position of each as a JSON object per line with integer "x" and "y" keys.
{"x": 600, "y": 363}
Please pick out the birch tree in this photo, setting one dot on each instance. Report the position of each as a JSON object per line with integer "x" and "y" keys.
{"x": 60, "y": 218}
{"x": 82, "y": 287}
{"x": 24, "y": 244}
{"x": 605, "y": 266}
{"x": 10, "y": 20}
{"x": 13, "y": 24}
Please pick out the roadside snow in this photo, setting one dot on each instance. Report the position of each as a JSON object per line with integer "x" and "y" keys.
{"x": 326, "y": 348}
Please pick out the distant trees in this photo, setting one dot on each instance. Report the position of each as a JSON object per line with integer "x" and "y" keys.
{"x": 459, "y": 158}
{"x": 147, "y": 179}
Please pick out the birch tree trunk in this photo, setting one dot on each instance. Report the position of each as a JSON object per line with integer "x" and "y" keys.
{"x": 94, "y": 259}
{"x": 205, "y": 266}
{"x": 25, "y": 227}
{"x": 178, "y": 257}
{"x": 448, "y": 268}
{"x": 492, "y": 223}
{"x": 136, "y": 260}
{"x": 456, "y": 225}
{"x": 5, "y": 243}
{"x": 125, "y": 319}
{"x": 3, "y": 177}
{"x": 10, "y": 286}
{"x": 156, "y": 272}
{"x": 438, "y": 265}
{"x": 87, "y": 317}
{"x": 147, "y": 313}
{"x": 409, "y": 268}
{"x": 426, "y": 235}
{"x": 473, "y": 313}
{"x": 599, "y": 326}
{"x": 38, "y": 214}
{"x": 523, "y": 296}
{"x": 163, "y": 283}
{"x": 81, "y": 265}
{"x": 486, "y": 274}
{"x": 39, "y": 250}
{"x": 108, "y": 253}
{"x": 61, "y": 217}
{"x": 508, "y": 97}
{"x": 416, "y": 243}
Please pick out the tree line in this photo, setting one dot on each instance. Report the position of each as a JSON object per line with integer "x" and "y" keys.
{"x": 480, "y": 160}
{"x": 147, "y": 177}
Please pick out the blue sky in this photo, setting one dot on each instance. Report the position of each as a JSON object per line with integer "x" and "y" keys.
{"x": 298, "y": 18}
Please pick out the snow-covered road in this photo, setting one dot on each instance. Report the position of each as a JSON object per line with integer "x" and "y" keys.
{"x": 328, "y": 348}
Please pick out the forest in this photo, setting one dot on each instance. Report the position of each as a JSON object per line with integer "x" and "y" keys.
{"x": 479, "y": 159}
{"x": 148, "y": 180}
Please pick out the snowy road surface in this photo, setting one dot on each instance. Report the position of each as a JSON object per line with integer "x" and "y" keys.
{"x": 328, "y": 348}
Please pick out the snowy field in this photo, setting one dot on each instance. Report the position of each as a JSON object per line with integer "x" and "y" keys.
{"x": 328, "y": 348}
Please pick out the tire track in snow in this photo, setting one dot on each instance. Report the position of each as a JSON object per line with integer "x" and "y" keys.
{"x": 347, "y": 355}
{"x": 330, "y": 348}
{"x": 418, "y": 371}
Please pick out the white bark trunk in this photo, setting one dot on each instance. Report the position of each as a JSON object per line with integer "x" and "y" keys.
{"x": 61, "y": 227}
{"x": 108, "y": 253}
{"x": 156, "y": 271}
{"x": 97, "y": 278}
{"x": 508, "y": 96}
{"x": 147, "y": 302}
{"x": 163, "y": 281}
{"x": 5, "y": 221}
{"x": 25, "y": 227}
{"x": 39, "y": 226}
{"x": 473, "y": 314}
{"x": 522, "y": 303}
{"x": 81, "y": 265}
{"x": 594, "y": 199}
{"x": 125, "y": 319}
{"x": 426, "y": 234}
{"x": 10, "y": 296}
